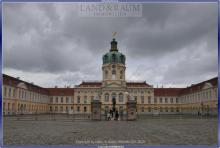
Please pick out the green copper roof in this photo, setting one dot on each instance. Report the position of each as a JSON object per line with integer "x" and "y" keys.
{"x": 113, "y": 56}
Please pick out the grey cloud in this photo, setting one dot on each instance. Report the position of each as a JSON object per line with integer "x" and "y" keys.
{"x": 52, "y": 38}
{"x": 183, "y": 27}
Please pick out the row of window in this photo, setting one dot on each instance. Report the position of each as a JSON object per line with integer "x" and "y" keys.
{"x": 113, "y": 74}
{"x": 84, "y": 99}
{"x": 166, "y": 100}
{"x": 88, "y": 91}
{"x": 67, "y": 109}
{"x": 61, "y": 100}
{"x": 142, "y": 91}
{"x": 121, "y": 99}
{"x": 113, "y": 95}
{"x": 198, "y": 97}
{"x": 135, "y": 91}
{"x": 23, "y": 107}
{"x": 149, "y": 109}
{"x": 10, "y": 92}
{"x": 161, "y": 109}
{"x": 36, "y": 97}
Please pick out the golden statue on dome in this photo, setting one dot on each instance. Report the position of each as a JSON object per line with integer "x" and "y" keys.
{"x": 114, "y": 34}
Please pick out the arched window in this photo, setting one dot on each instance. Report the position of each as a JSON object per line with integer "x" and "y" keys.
{"x": 92, "y": 98}
{"x": 85, "y": 99}
{"x": 113, "y": 74}
{"x": 85, "y": 109}
{"x": 171, "y": 109}
{"x": 61, "y": 99}
{"x": 177, "y": 109}
{"x": 51, "y": 108}
{"x": 121, "y": 97}
{"x": 106, "y": 74}
{"x": 142, "y": 109}
{"x": 67, "y": 100}
{"x": 106, "y": 97}
{"x": 114, "y": 95}
{"x": 142, "y": 99}
{"x": 121, "y": 74}
{"x": 78, "y": 108}
{"x": 113, "y": 58}
{"x": 78, "y": 99}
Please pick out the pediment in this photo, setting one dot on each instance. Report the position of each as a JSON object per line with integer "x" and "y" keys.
{"x": 113, "y": 84}
{"x": 22, "y": 85}
{"x": 207, "y": 85}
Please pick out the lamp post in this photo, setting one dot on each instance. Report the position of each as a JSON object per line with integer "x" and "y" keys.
{"x": 99, "y": 97}
{"x": 127, "y": 95}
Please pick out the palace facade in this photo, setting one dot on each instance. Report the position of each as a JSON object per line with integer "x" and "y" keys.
{"x": 20, "y": 97}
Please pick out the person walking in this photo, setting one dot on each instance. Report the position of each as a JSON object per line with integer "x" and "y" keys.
{"x": 111, "y": 113}
{"x": 116, "y": 115}
{"x": 109, "y": 116}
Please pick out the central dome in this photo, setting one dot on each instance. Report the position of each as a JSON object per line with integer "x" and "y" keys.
{"x": 113, "y": 56}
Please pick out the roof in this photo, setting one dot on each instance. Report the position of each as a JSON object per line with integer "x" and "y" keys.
{"x": 199, "y": 86}
{"x": 90, "y": 84}
{"x": 61, "y": 91}
{"x": 129, "y": 84}
{"x": 167, "y": 91}
{"x": 137, "y": 84}
{"x": 9, "y": 80}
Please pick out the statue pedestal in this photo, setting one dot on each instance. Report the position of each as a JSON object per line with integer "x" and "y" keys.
{"x": 96, "y": 110}
{"x": 131, "y": 110}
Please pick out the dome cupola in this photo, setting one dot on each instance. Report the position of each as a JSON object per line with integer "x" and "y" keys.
{"x": 113, "y": 56}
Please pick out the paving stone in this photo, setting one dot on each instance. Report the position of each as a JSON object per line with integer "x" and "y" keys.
{"x": 145, "y": 131}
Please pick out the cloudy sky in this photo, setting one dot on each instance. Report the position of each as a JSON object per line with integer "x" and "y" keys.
{"x": 50, "y": 44}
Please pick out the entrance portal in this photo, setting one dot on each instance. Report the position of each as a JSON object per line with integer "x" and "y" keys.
{"x": 113, "y": 104}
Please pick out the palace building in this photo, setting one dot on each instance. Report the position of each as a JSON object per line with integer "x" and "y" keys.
{"x": 113, "y": 91}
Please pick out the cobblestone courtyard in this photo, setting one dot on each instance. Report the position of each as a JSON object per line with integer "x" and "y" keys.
{"x": 173, "y": 130}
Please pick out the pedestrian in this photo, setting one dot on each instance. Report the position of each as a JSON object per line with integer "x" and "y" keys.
{"x": 109, "y": 116}
{"x": 111, "y": 113}
{"x": 116, "y": 115}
